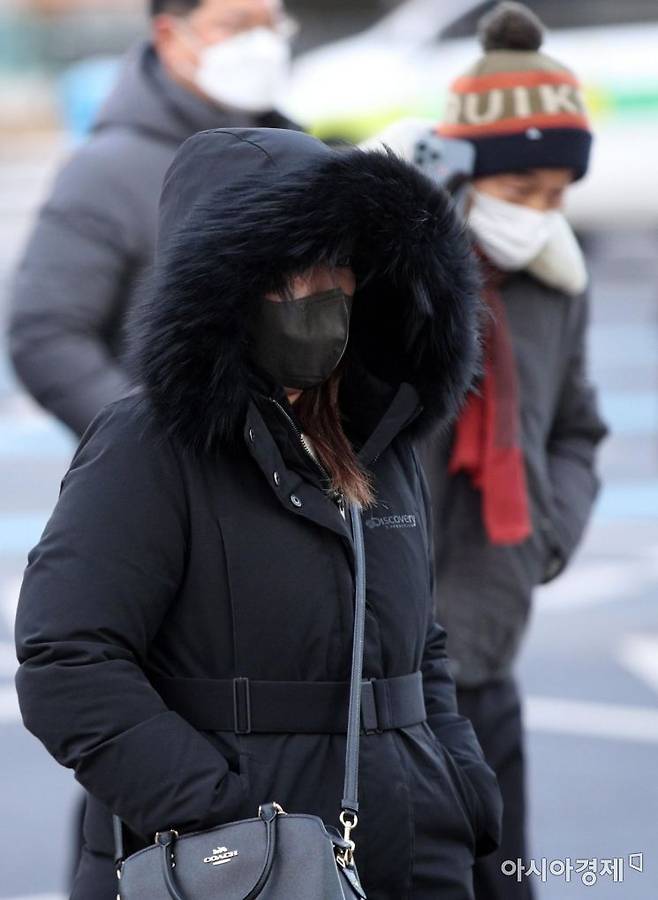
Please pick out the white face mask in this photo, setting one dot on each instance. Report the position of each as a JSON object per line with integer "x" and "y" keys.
{"x": 511, "y": 235}
{"x": 247, "y": 71}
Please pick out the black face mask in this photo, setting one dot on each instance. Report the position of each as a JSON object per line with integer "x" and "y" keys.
{"x": 299, "y": 343}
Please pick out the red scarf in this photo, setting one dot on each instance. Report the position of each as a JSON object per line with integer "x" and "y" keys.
{"x": 488, "y": 432}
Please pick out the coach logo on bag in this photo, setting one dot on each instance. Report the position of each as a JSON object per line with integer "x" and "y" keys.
{"x": 220, "y": 855}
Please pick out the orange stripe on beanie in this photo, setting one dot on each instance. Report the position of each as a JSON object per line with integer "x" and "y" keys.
{"x": 520, "y": 108}
{"x": 513, "y": 126}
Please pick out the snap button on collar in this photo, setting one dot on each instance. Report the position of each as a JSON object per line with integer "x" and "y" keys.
{"x": 251, "y": 435}
{"x": 294, "y": 499}
{"x": 276, "y": 478}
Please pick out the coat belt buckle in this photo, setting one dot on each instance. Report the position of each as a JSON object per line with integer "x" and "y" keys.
{"x": 241, "y": 706}
{"x": 369, "y": 717}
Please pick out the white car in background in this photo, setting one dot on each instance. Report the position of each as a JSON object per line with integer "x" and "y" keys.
{"x": 402, "y": 67}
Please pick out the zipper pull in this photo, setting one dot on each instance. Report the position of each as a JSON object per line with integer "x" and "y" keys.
{"x": 339, "y": 497}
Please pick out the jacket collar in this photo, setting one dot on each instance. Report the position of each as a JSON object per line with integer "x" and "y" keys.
{"x": 374, "y": 414}
{"x": 145, "y": 98}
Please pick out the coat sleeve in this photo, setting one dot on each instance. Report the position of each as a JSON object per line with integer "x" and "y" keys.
{"x": 69, "y": 291}
{"x": 96, "y": 588}
{"x": 576, "y": 431}
{"x": 454, "y": 731}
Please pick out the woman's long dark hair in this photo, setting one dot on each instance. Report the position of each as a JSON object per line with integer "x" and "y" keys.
{"x": 318, "y": 413}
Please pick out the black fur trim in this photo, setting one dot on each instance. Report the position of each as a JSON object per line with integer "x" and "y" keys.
{"x": 414, "y": 313}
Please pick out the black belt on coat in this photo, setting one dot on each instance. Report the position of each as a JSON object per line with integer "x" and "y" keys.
{"x": 245, "y": 705}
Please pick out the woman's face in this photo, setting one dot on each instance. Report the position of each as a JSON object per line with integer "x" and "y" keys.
{"x": 316, "y": 280}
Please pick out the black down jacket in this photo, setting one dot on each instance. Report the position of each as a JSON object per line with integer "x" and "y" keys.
{"x": 193, "y": 539}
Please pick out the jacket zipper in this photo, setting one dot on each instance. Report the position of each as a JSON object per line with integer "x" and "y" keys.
{"x": 336, "y": 495}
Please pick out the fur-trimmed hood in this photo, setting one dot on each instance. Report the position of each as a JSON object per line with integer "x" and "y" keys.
{"x": 241, "y": 209}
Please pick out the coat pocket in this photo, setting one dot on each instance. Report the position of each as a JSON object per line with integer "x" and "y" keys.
{"x": 463, "y": 790}
{"x": 533, "y": 556}
{"x": 258, "y": 782}
{"x": 453, "y": 805}
{"x": 545, "y": 537}
{"x": 239, "y": 772}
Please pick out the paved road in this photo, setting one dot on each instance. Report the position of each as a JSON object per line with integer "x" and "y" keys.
{"x": 589, "y": 668}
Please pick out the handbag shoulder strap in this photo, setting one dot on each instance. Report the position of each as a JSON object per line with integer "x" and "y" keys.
{"x": 351, "y": 787}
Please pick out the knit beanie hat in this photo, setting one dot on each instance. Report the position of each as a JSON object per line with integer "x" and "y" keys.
{"x": 520, "y": 108}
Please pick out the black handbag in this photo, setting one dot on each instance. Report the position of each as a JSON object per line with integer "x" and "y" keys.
{"x": 275, "y": 855}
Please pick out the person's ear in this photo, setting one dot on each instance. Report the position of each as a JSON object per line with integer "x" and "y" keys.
{"x": 175, "y": 53}
{"x": 161, "y": 32}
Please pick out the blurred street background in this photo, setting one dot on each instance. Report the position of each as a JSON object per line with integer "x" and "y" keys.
{"x": 590, "y": 667}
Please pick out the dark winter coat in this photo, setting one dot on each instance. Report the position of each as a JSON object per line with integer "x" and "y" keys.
{"x": 93, "y": 242}
{"x": 484, "y": 592}
{"x": 194, "y": 538}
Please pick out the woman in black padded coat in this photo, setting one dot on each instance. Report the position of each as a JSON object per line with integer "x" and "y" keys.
{"x": 313, "y": 311}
